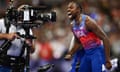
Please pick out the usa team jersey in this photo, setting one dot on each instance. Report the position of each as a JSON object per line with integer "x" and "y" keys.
{"x": 87, "y": 38}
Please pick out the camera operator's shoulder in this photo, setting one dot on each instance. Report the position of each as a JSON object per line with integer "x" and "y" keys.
{"x": 1, "y": 24}
{"x": 1, "y": 20}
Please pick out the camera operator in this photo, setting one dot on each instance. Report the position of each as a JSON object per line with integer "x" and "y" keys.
{"x": 13, "y": 60}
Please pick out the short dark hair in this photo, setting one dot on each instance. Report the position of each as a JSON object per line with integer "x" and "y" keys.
{"x": 78, "y": 5}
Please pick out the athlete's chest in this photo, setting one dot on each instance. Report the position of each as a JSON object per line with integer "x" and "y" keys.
{"x": 79, "y": 31}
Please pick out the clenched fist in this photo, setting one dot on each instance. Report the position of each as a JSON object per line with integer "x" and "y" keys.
{"x": 108, "y": 65}
{"x": 68, "y": 57}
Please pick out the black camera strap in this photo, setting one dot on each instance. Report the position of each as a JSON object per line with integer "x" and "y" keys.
{"x": 7, "y": 43}
{"x": 7, "y": 25}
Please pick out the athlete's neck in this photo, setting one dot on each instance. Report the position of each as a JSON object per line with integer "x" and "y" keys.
{"x": 78, "y": 19}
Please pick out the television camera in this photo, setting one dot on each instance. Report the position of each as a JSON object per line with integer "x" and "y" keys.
{"x": 29, "y": 14}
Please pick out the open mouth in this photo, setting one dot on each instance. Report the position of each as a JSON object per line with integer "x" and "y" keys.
{"x": 69, "y": 14}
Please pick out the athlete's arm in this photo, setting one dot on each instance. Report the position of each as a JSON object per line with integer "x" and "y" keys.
{"x": 76, "y": 46}
{"x": 71, "y": 43}
{"x": 73, "y": 48}
{"x": 92, "y": 26}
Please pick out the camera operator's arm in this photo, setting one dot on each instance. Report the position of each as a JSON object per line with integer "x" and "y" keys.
{"x": 31, "y": 43}
{"x": 9, "y": 36}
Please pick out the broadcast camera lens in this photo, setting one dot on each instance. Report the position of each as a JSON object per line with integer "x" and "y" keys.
{"x": 53, "y": 19}
{"x": 47, "y": 16}
{"x": 30, "y": 14}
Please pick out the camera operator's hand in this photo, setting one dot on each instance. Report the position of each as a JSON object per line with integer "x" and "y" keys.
{"x": 20, "y": 8}
{"x": 31, "y": 44}
{"x": 12, "y": 36}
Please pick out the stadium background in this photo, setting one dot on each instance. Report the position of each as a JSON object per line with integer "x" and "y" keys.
{"x": 53, "y": 39}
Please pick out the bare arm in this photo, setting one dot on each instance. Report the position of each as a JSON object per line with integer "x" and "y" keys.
{"x": 73, "y": 48}
{"x": 10, "y": 36}
{"x": 76, "y": 45}
{"x": 71, "y": 43}
{"x": 91, "y": 25}
{"x": 3, "y": 36}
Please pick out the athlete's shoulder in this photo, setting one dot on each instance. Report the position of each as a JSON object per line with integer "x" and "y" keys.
{"x": 89, "y": 20}
{"x": 90, "y": 23}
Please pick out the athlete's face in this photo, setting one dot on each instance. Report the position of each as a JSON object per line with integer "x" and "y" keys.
{"x": 72, "y": 10}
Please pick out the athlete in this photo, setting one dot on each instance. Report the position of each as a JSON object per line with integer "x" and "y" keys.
{"x": 89, "y": 35}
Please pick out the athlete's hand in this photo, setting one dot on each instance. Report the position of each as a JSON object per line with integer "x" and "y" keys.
{"x": 108, "y": 65}
{"x": 68, "y": 57}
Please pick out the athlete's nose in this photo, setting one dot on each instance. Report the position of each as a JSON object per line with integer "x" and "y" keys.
{"x": 68, "y": 10}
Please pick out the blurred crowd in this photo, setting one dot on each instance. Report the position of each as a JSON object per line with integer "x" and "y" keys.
{"x": 53, "y": 39}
